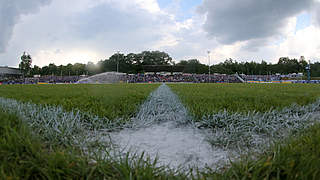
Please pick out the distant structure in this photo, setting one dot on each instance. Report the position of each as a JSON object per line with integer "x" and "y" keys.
{"x": 9, "y": 72}
{"x": 308, "y": 68}
{"x": 104, "y": 78}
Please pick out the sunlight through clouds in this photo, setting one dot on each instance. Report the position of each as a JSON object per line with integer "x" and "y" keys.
{"x": 94, "y": 30}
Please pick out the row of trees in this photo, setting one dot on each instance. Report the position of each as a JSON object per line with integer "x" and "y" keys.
{"x": 130, "y": 63}
{"x": 137, "y": 63}
{"x": 284, "y": 66}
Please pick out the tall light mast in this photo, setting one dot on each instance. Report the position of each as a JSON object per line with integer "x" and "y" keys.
{"x": 308, "y": 68}
{"x": 118, "y": 61}
{"x": 209, "y": 65}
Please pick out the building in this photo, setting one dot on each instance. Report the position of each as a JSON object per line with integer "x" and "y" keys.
{"x": 9, "y": 72}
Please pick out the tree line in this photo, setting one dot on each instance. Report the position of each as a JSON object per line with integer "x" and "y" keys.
{"x": 130, "y": 63}
{"x": 133, "y": 63}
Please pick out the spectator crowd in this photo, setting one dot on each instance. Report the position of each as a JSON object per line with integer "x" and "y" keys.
{"x": 260, "y": 77}
{"x": 151, "y": 78}
{"x": 189, "y": 78}
{"x": 42, "y": 79}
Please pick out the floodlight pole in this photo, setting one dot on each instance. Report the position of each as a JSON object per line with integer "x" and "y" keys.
{"x": 209, "y": 65}
{"x": 118, "y": 61}
{"x": 308, "y": 68}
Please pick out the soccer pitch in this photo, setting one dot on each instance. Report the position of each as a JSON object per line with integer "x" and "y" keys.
{"x": 160, "y": 131}
{"x": 204, "y": 99}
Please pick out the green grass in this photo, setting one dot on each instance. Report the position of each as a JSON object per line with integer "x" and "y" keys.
{"x": 24, "y": 156}
{"x": 203, "y": 99}
{"x": 105, "y": 100}
{"x": 297, "y": 158}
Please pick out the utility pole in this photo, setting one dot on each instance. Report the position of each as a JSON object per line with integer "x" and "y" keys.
{"x": 118, "y": 61}
{"x": 308, "y": 68}
{"x": 209, "y": 65}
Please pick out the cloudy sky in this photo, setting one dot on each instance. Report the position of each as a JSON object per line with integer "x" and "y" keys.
{"x": 61, "y": 32}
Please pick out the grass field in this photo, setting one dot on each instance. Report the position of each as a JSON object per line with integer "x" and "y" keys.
{"x": 296, "y": 157}
{"x": 204, "y": 99}
{"x": 25, "y": 154}
{"x": 105, "y": 100}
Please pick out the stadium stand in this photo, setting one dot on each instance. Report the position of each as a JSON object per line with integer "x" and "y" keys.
{"x": 191, "y": 78}
{"x": 14, "y": 76}
{"x": 260, "y": 77}
{"x": 58, "y": 79}
{"x": 9, "y": 74}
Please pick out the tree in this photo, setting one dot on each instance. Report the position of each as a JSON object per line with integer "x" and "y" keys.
{"x": 25, "y": 64}
{"x": 161, "y": 61}
{"x": 315, "y": 69}
{"x": 61, "y": 70}
{"x": 286, "y": 65}
{"x": 302, "y": 64}
{"x": 92, "y": 68}
{"x": 79, "y": 69}
{"x": 155, "y": 58}
{"x": 69, "y": 69}
{"x": 36, "y": 70}
{"x": 53, "y": 69}
{"x": 193, "y": 66}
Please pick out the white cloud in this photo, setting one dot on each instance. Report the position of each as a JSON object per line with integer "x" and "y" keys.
{"x": 150, "y": 5}
{"x": 10, "y": 13}
{"x": 232, "y": 21}
{"x": 60, "y": 57}
{"x": 102, "y": 27}
{"x": 316, "y": 13}
{"x": 304, "y": 42}
{"x": 94, "y": 30}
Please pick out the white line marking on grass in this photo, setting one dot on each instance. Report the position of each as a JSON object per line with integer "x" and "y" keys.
{"x": 162, "y": 130}
{"x": 55, "y": 125}
{"x": 256, "y": 131}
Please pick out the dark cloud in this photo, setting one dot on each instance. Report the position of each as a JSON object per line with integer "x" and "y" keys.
{"x": 239, "y": 20}
{"x": 10, "y": 13}
{"x": 316, "y": 13}
{"x": 254, "y": 44}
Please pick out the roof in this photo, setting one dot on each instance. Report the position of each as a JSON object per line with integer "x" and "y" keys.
{"x": 10, "y": 70}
